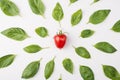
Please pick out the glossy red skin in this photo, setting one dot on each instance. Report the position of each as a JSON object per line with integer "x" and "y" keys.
{"x": 60, "y": 40}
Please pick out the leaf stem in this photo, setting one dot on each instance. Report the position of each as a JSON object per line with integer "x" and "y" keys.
{"x": 14, "y": 55}
{"x": 69, "y": 4}
{"x": 43, "y": 16}
{"x": 60, "y": 24}
{"x": 88, "y": 22}
{"x": 60, "y": 76}
{"x": 19, "y": 15}
{"x": 27, "y": 36}
{"x": 92, "y": 3}
{"x": 40, "y": 59}
{"x": 73, "y": 46}
{"x": 45, "y": 47}
{"x": 54, "y": 58}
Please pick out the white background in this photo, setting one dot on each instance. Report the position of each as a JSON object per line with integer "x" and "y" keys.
{"x": 29, "y": 21}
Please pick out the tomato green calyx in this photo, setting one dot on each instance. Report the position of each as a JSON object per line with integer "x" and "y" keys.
{"x": 60, "y": 32}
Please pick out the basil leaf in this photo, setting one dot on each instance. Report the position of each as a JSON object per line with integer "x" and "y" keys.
{"x": 59, "y": 79}
{"x": 86, "y": 73}
{"x": 116, "y": 26}
{"x": 31, "y": 70}
{"x": 68, "y": 65}
{"x": 49, "y": 68}
{"x": 76, "y": 17}
{"x": 42, "y": 32}
{"x": 57, "y": 13}
{"x": 99, "y": 16}
{"x": 9, "y": 8}
{"x": 86, "y": 33}
{"x": 105, "y": 47}
{"x": 94, "y": 1}
{"x": 15, "y": 33}
{"x": 33, "y": 48}
{"x": 83, "y": 52}
{"x": 73, "y": 1}
{"x": 116, "y": 78}
{"x": 37, "y": 7}
{"x": 6, "y": 60}
{"x": 110, "y": 71}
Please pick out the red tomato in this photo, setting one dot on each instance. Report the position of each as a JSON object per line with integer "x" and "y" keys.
{"x": 60, "y": 40}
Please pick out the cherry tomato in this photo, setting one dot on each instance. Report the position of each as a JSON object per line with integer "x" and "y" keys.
{"x": 60, "y": 39}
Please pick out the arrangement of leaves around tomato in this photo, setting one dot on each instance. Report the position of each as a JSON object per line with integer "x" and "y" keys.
{"x": 38, "y": 8}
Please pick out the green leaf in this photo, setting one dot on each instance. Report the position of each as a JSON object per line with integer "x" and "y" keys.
{"x": 57, "y": 13}
{"x": 110, "y": 71}
{"x": 116, "y": 78}
{"x": 9, "y": 8}
{"x": 42, "y": 32}
{"x": 95, "y": 1}
{"x": 49, "y": 68}
{"x": 83, "y": 52}
{"x": 6, "y": 60}
{"x": 99, "y": 16}
{"x": 68, "y": 65}
{"x": 86, "y": 73}
{"x": 76, "y": 17}
{"x": 73, "y": 1}
{"x": 105, "y": 47}
{"x": 31, "y": 70}
{"x": 59, "y": 79}
{"x": 33, "y": 48}
{"x": 86, "y": 33}
{"x": 116, "y": 26}
{"x": 37, "y": 7}
{"x": 15, "y": 33}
